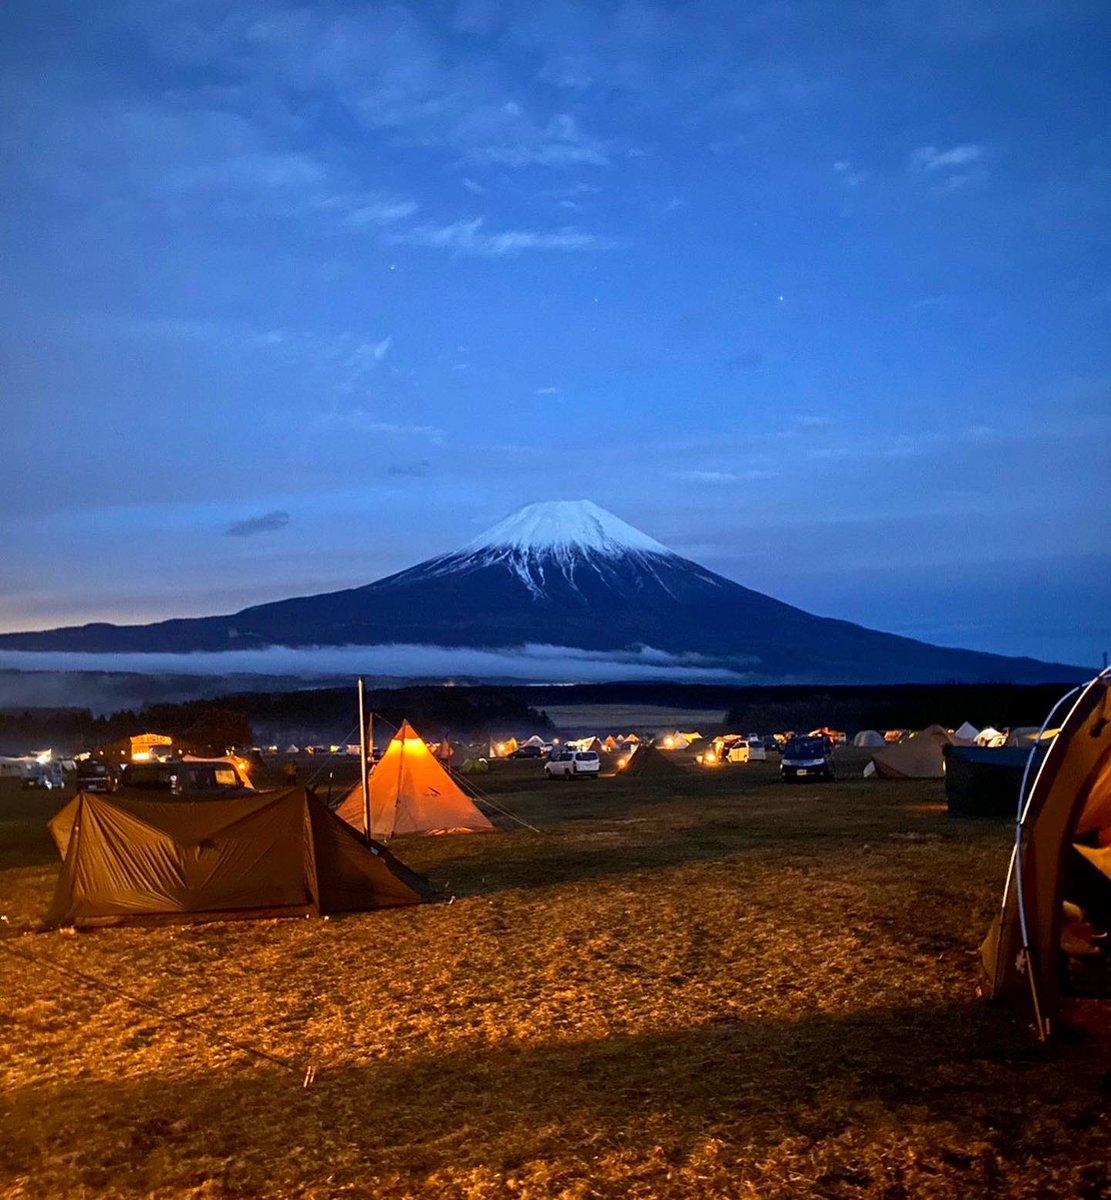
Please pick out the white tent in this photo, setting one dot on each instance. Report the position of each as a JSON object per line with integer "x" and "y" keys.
{"x": 869, "y": 738}
{"x": 990, "y": 736}
{"x": 967, "y": 733}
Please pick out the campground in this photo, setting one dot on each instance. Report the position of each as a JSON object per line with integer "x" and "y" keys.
{"x": 711, "y": 984}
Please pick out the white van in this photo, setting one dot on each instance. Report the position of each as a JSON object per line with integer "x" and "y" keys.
{"x": 567, "y": 764}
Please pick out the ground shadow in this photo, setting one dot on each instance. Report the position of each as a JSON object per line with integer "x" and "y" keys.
{"x": 752, "y": 1083}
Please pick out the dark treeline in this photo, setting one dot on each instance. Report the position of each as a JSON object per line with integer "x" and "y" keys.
{"x": 331, "y": 714}
{"x": 322, "y": 715}
{"x": 904, "y": 707}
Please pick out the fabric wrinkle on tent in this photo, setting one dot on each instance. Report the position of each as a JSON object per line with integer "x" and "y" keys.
{"x": 277, "y": 853}
{"x": 411, "y": 793}
{"x": 1063, "y": 828}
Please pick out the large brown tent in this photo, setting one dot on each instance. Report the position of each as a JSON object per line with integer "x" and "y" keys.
{"x": 919, "y": 757}
{"x": 1065, "y": 819}
{"x": 270, "y": 854}
{"x": 647, "y": 760}
{"x": 411, "y": 793}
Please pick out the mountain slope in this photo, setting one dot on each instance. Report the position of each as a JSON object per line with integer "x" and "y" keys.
{"x": 568, "y": 573}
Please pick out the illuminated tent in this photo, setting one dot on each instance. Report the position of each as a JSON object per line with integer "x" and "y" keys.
{"x": 267, "y": 855}
{"x": 503, "y": 749}
{"x": 611, "y": 745}
{"x": 411, "y": 793}
{"x": 918, "y": 757}
{"x": 990, "y": 736}
{"x": 870, "y": 739}
{"x": 535, "y": 740}
{"x": 1057, "y": 891}
{"x": 646, "y": 760}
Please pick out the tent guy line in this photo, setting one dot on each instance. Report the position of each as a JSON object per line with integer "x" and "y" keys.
{"x": 307, "y": 1073}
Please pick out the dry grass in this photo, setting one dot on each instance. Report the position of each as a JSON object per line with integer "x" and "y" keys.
{"x": 725, "y": 987}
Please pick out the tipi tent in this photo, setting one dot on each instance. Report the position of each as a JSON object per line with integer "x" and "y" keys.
{"x": 919, "y": 757}
{"x": 535, "y": 740}
{"x": 870, "y": 739}
{"x": 967, "y": 733}
{"x": 1065, "y": 820}
{"x": 646, "y": 759}
{"x": 411, "y": 793}
{"x": 271, "y": 854}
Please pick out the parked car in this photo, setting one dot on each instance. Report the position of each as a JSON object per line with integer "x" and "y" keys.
{"x": 95, "y": 777}
{"x": 756, "y": 752}
{"x": 569, "y": 764}
{"x": 807, "y": 757}
{"x": 183, "y": 777}
{"x": 47, "y": 776}
{"x": 527, "y": 752}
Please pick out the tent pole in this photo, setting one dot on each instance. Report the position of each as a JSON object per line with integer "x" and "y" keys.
{"x": 363, "y": 773}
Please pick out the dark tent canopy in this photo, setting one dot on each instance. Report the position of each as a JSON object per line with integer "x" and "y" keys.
{"x": 647, "y": 760}
{"x": 983, "y": 781}
{"x": 269, "y": 854}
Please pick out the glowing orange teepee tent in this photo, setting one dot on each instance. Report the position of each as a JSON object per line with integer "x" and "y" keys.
{"x": 410, "y": 792}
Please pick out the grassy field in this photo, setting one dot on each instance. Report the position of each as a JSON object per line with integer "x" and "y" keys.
{"x": 720, "y": 986}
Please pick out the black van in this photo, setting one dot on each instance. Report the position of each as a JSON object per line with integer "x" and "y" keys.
{"x": 806, "y": 758}
{"x": 219, "y": 777}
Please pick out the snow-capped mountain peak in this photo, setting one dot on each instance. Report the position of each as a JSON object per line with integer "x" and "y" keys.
{"x": 555, "y": 526}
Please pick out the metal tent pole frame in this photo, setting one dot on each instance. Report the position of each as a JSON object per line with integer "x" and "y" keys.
{"x": 364, "y": 774}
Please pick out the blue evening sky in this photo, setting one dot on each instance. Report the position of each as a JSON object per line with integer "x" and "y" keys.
{"x": 816, "y": 292}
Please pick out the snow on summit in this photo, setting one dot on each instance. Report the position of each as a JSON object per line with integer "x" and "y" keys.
{"x": 563, "y": 525}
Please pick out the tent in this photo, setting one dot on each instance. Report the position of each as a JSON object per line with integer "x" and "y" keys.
{"x": 1033, "y": 944}
{"x": 967, "y": 733}
{"x": 444, "y": 751}
{"x": 535, "y": 740}
{"x": 611, "y": 745}
{"x": 982, "y": 781}
{"x": 646, "y": 759}
{"x": 919, "y": 757}
{"x": 503, "y": 749}
{"x": 271, "y": 854}
{"x": 990, "y": 736}
{"x": 870, "y": 739}
{"x": 411, "y": 793}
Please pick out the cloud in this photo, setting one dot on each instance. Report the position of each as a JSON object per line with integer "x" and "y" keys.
{"x": 929, "y": 158}
{"x": 269, "y": 522}
{"x": 849, "y": 175}
{"x": 542, "y": 154}
{"x": 534, "y": 663}
{"x": 379, "y": 211}
{"x": 949, "y": 170}
{"x": 413, "y": 470}
{"x": 549, "y": 391}
{"x": 469, "y": 237}
{"x": 365, "y": 422}
{"x": 704, "y": 476}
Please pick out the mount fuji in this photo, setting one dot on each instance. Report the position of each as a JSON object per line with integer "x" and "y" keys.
{"x": 565, "y": 574}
